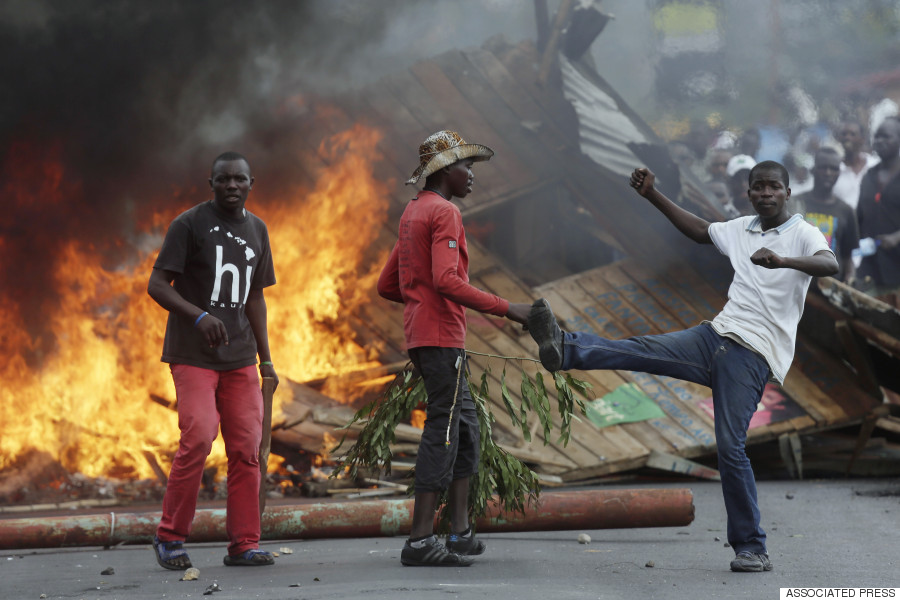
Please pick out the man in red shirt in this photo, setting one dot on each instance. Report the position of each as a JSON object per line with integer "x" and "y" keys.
{"x": 428, "y": 272}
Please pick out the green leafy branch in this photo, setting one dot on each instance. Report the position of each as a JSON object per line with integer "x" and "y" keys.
{"x": 500, "y": 474}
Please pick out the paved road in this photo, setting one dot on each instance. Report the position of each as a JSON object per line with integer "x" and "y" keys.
{"x": 821, "y": 534}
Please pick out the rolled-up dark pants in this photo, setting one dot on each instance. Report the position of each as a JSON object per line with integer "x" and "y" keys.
{"x": 450, "y": 447}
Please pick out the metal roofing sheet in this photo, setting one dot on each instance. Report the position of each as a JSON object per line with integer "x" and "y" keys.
{"x": 604, "y": 130}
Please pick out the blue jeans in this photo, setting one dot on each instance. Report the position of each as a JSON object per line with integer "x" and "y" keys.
{"x": 737, "y": 377}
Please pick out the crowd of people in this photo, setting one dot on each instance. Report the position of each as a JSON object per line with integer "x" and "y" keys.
{"x": 841, "y": 180}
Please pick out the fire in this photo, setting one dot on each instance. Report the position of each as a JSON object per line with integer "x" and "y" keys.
{"x": 318, "y": 260}
{"x": 86, "y": 398}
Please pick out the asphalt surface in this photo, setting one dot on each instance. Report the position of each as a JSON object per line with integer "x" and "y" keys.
{"x": 822, "y": 534}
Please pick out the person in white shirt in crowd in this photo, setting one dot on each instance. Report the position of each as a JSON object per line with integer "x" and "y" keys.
{"x": 738, "y": 172}
{"x": 856, "y": 162}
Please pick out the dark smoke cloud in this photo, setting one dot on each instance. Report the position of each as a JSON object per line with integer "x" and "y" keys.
{"x": 110, "y": 105}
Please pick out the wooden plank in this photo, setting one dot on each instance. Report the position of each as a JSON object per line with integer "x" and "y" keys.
{"x": 566, "y": 311}
{"x": 697, "y": 426}
{"x": 683, "y": 443}
{"x": 562, "y": 293}
{"x": 630, "y": 454}
{"x": 550, "y": 54}
{"x": 875, "y": 313}
{"x": 666, "y": 295}
{"x": 605, "y": 468}
{"x": 405, "y": 126}
{"x": 810, "y": 398}
{"x": 518, "y": 99}
{"x": 858, "y": 356}
{"x": 690, "y": 395}
{"x": 703, "y": 297}
{"x": 834, "y": 378}
{"x": 608, "y": 200}
{"x": 496, "y": 276}
{"x": 677, "y": 464}
{"x": 643, "y": 302}
{"x": 394, "y": 162}
{"x": 649, "y": 437}
{"x": 534, "y": 158}
{"x": 520, "y": 61}
{"x": 589, "y": 316}
{"x": 632, "y": 321}
{"x": 403, "y": 135}
{"x": 889, "y": 423}
{"x": 505, "y": 172}
{"x": 533, "y": 453}
{"x": 265, "y": 444}
{"x": 409, "y": 98}
{"x": 682, "y": 396}
{"x": 409, "y": 93}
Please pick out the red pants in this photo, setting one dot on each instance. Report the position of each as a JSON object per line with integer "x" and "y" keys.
{"x": 206, "y": 399}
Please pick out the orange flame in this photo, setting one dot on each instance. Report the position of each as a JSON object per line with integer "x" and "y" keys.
{"x": 318, "y": 258}
{"x": 88, "y": 402}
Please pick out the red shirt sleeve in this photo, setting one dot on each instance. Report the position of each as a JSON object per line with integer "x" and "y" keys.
{"x": 389, "y": 280}
{"x": 449, "y": 273}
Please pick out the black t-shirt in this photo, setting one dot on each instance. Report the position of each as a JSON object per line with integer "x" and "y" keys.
{"x": 218, "y": 261}
{"x": 836, "y": 221}
{"x": 879, "y": 213}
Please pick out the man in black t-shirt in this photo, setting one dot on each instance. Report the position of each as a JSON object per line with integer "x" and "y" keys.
{"x": 831, "y": 215}
{"x": 210, "y": 274}
{"x": 879, "y": 216}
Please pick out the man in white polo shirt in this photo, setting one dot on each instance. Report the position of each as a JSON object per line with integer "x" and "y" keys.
{"x": 775, "y": 254}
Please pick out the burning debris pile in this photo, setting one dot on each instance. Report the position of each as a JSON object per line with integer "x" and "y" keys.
{"x": 36, "y": 481}
{"x": 92, "y": 177}
{"x": 85, "y": 398}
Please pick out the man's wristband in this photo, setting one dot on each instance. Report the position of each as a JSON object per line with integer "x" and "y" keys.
{"x": 203, "y": 314}
{"x": 266, "y": 362}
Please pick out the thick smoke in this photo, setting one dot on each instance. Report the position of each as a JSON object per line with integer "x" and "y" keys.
{"x": 109, "y": 106}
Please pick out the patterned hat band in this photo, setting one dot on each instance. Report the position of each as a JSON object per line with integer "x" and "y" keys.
{"x": 444, "y": 148}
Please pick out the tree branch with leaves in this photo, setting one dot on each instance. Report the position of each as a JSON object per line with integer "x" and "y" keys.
{"x": 501, "y": 478}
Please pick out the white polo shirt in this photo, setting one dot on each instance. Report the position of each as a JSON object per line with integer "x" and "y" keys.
{"x": 764, "y": 305}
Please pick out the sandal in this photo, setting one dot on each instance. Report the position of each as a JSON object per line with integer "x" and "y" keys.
{"x": 167, "y": 552}
{"x": 254, "y": 557}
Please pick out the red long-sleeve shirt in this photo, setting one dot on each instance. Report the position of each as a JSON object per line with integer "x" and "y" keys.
{"x": 428, "y": 271}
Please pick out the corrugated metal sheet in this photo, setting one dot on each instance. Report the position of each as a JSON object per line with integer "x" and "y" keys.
{"x": 604, "y": 130}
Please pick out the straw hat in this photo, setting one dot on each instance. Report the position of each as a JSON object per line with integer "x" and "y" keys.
{"x": 444, "y": 148}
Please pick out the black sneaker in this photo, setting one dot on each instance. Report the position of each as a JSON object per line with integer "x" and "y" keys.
{"x": 466, "y": 546}
{"x": 751, "y": 562}
{"x": 432, "y": 554}
{"x": 546, "y": 332}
